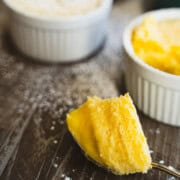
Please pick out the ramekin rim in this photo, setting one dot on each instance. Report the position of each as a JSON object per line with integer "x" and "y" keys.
{"x": 129, "y": 48}
{"x": 105, "y": 5}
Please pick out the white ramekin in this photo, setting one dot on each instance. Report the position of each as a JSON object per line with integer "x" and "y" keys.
{"x": 58, "y": 39}
{"x": 155, "y": 92}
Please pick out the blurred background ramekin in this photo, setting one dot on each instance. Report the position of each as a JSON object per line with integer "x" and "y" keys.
{"x": 58, "y": 39}
{"x": 155, "y": 92}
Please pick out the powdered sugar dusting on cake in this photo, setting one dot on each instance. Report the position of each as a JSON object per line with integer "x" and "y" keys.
{"x": 65, "y": 8}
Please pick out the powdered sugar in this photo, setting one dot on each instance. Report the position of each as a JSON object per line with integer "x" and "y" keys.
{"x": 63, "y": 8}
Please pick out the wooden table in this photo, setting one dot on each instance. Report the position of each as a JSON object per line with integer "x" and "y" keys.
{"x": 34, "y": 100}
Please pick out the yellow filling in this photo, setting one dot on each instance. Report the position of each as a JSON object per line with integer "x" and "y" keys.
{"x": 157, "y": 43}
{"x": 109, "y": 132}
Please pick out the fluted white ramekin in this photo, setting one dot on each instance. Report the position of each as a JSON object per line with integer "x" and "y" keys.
{"x": 58, "y": 39}
{"x": 155, "y": 92}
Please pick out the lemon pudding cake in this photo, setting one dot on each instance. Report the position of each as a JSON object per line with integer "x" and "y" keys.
{"x": 64, "y": 8}
{"x": 110, "y": 133}
{"x": 157, "y": 43}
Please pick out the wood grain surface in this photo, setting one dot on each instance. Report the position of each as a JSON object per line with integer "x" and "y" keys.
{"x": 34, "y": 100}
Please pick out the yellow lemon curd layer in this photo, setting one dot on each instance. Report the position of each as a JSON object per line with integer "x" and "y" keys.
{"x": 157, "y": 43}
{"x": 110, "y": 133}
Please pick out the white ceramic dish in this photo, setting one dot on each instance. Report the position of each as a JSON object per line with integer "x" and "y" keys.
{"x": 58, "y": 39}
{"x": 155, "y": 92}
